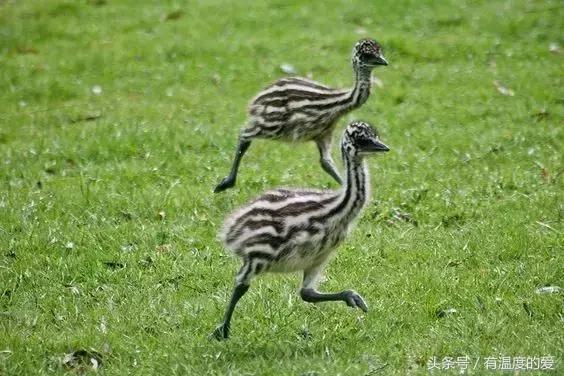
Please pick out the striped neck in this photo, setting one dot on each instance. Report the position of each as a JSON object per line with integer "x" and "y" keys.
{"x": 361, "y": 90}
{"x": 354, "y": 194}
{"x": 356, "y": 185}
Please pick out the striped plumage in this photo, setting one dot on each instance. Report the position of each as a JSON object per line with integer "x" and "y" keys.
{"x": 297, "y": 230}
{"x": 298, "y": 109}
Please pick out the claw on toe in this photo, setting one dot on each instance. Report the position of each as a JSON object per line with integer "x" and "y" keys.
{"x": 220, "y": 333}
{"x": 354, "y": 300}
{"x": 223, "y": 185}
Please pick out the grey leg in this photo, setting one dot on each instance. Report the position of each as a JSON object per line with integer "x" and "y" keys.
{"x": 221, "y": 332}
{"x": 327, "y": 163}
{"x": 242, "y": 283}
{"x": 309, "y": 293}
{"x": 350, "y": 297}
{"x": 229, "y": 180}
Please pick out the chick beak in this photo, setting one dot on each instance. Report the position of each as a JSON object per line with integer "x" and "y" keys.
{"x": 380, "y": 60}
{"x": 376, "y": 146}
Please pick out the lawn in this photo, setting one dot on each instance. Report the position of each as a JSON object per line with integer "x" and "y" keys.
{"x": 119, "y": 117}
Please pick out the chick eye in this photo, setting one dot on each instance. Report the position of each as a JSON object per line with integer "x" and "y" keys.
{"x": 363, "y": 142}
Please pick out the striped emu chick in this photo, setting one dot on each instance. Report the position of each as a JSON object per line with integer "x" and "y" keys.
{"x": 298, "y": 230}
{"x": 297, "y": 109}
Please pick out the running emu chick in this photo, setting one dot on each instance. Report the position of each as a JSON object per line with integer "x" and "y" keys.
{"x": 297, "y": 109}
{"x": 298, "y": 230}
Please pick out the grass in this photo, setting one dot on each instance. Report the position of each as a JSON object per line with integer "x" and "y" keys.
{"x": 118, "y": 119}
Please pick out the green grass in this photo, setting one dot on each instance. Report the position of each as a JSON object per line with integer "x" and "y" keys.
{"x": 108, "y": 223}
